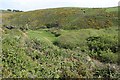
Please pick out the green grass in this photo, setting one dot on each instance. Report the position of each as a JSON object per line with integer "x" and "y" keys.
{"x": 41, "y": 35}
{"x": 91, "y": 32}
{"x": 114, "y": 9}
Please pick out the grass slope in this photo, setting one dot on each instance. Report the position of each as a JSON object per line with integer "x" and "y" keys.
{"x": 41, "y": 35}
{"x": 66, "y": 18}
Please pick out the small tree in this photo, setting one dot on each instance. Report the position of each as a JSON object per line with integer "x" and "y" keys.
{"x": 56, "y": 25}
{"x": 9, "y": 10}
{"x": 17, "y": 11}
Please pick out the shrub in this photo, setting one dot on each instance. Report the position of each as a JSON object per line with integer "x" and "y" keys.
{"x": 103, "y": 48}
{"x": 51, "y": 25}
{"x": 108, "y": 56}
{"x": 55, "y": 31}
{"x": 107, "y": 72}
{"x": 9, "y": 10}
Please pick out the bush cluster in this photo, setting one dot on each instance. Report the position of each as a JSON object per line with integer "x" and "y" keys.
{"x": 101, "y": 46}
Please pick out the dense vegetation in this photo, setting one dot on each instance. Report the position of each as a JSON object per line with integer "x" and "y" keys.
{"x": 52, "y": 44}
{"x": 64, "y": 18}
{"x": 100, "y": 44}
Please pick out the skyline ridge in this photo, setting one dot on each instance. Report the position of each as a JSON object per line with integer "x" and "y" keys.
{"x": 29, "y": 5}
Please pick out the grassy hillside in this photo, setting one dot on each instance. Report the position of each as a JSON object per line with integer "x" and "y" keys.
{"x": 65, "y": 18}
{"x": 61, "y": 43}
{"x": 112, "y": 9}
{"x": 33, "y": 54}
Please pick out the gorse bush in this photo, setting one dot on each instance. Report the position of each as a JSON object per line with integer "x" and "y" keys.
{"x": 102, "y": 43}
{"x": 107, "y": 72}
{"x": 108, "y": 56}
{"x": 103, "y": 48}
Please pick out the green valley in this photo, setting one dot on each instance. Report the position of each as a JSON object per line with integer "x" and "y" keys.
{"x": 61, "y": 43}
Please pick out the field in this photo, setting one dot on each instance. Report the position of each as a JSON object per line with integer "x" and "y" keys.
{"x": 39, "y": 46}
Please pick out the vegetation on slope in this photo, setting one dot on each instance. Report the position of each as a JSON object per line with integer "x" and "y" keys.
{"x": 36, "y": 58}
{"x": 62, "y": 49}
{"x": 30, "y": 54}
{"x": 100, "y": 44}
{"x": 64, "y": 18}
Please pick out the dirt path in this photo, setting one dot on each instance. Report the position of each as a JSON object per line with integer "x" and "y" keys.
{"x": 47, "y": 39}
{"x": 24, "y": 34}
{"x": 24, "y": 37}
